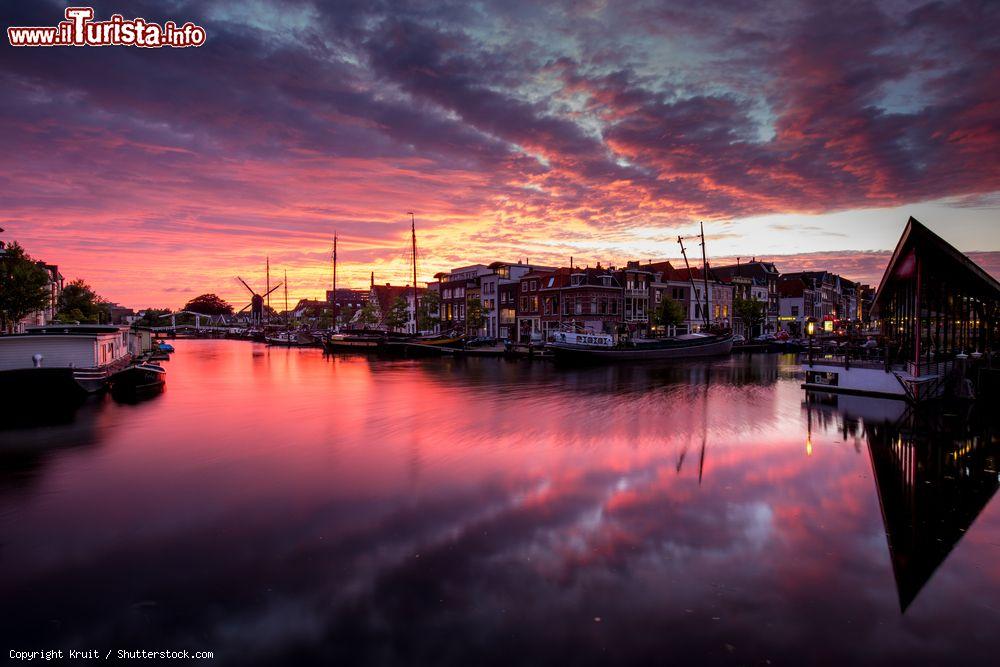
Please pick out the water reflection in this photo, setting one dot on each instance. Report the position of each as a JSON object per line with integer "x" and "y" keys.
{"x": 935, "y": 471}
{"x": 932, "y": 485}
{"x": 279, "y": 506}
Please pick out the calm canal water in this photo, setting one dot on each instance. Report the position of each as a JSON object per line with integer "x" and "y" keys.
{"x": 282, "y": 506}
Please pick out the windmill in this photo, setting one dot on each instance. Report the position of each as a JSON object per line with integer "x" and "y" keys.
{"x": 256, "y": 304}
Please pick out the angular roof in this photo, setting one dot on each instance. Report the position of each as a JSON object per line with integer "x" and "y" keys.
{"x": 917, "y": 237}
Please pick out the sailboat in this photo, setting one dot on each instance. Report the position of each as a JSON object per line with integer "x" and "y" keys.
{"x": 602, "y": 347}
{"x": 289, "y": 337}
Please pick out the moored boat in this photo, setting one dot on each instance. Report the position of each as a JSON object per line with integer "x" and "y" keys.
{"x": 602, "y": 347}
{"x": 354, "y": 341}
{"x": 443, "y": 341}
{"x": 290, "y": 339}
{"x": 61, "y": 361}
{"x": 423, "y": 346}
{"x": 138, "y": 378}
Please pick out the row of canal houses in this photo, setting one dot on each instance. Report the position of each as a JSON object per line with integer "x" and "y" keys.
{"x": 523, "y": 301}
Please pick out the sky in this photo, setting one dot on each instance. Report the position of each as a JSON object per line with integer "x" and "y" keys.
{"x": 805, "y": 133}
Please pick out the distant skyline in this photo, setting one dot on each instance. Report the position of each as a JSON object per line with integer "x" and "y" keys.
{"x": 804, "y": 133}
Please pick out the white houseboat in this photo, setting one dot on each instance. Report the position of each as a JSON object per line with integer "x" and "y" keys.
{"x": 62, "y": 360}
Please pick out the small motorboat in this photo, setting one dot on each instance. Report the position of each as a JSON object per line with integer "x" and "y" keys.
{"x": 354, "y": 341}
{"x": 290, "y": 339}
{"x": 139, "y": 378}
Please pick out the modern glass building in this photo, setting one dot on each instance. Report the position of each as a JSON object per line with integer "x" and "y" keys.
{"x": 934, "y": 302}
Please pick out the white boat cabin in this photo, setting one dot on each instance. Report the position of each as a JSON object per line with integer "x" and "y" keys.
{"x": 65, "y": 346}
{"x": 570, "y": 338}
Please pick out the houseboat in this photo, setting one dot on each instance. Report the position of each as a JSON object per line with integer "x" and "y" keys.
{"x": 62, "y": 360}
{"x": 583, "y": 347}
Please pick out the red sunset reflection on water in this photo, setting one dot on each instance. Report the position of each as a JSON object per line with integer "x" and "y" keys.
{"x": 282, "y": 504}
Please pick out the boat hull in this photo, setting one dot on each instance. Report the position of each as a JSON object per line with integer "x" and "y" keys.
{"x": 421, "y": 347}
{"x": 681, "y": 350}
{"x": 30, "y": 385}
{"x": 301, "y": 341}
{"x": 351, "y": 344}
{"x": 137, "y": 379}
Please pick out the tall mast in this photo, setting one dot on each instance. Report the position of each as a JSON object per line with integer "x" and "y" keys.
{"x": 334, "y": 304}
{"x": 680, "y": 240}
{"x": 413, "y": 236}
{"x": 287, "y": 318}
{"x": 704, "y": 269}
{"x": 267, "y": 290}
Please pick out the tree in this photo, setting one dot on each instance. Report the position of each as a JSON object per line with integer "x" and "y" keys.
{"x": 428, "y": 311}
{"x": 24, "y": 286}
{"x": 750, "y": 311}
{"x": 669, "y": 313}
{"x": 151, "y": 318}
{"x": 473, "y": 314}
{"x": 399, "y": 314}
{"x": 369, "y": 314}
{"x": 208, "y": 304}
{"x": 78, "y": 302}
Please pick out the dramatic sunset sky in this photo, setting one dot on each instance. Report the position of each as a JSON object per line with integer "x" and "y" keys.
{"x": 801, "y": 132}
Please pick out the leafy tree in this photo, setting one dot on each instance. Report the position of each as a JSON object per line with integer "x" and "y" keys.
{"x": 474, "y": 314}
{"x": 24, "y": 286}
{"x": 669, "y": 313}
{"x": 78, "y": 302}
{"x": 750, "y": 311}
{"x": 151, "y": 318}
{"x": 428, "y": 311}
{"x": 208, "y": 304}
{"x": 399, "y": 314}
{"x": 369, "y": 314}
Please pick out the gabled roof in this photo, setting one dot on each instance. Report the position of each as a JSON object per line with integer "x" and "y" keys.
{"x": 386, "y": 295}
{"x": 756, "y": 270}
{"x": 791, "y": 288}
{"x": 917, "y": 236}
{"x": 591, "y": 277}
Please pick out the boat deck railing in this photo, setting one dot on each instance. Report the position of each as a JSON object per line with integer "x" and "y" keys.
{"x": 847, "y": 362}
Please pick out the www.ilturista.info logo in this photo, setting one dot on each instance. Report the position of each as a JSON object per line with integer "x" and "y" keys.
{"x": 79, "y": 29}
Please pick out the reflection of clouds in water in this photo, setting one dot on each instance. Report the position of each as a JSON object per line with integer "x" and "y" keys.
{"x": 290, "y": 531}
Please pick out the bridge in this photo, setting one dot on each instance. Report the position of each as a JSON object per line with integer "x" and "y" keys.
{"x": 197, "y": 326}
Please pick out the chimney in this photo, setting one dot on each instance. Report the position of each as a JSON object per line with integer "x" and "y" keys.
{"x": 373, "y": 279}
